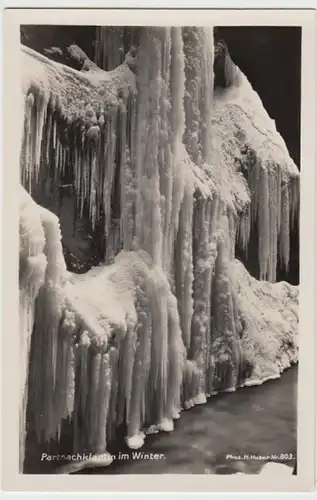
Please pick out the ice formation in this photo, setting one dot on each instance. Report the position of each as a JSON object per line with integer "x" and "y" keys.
{"x": 32, "y": 268}
{"x": 176, "y": 173}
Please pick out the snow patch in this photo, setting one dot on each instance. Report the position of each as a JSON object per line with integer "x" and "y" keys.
{"x": 135, "y": 442}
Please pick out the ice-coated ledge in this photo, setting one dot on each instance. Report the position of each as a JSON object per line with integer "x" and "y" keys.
{"x": 73, "y": 92}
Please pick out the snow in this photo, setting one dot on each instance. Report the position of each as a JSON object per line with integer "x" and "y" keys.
{"x": 166, "y": 425}
{"x": 270, "y": 317}
{"x": 98, "y": 460}
{"x": 273, "y": 469}
{"x": 73, "y": 91}
{"x": 135, "y": 442}
{"x": 251, "y": 123}
{"x": 171, "y": 317}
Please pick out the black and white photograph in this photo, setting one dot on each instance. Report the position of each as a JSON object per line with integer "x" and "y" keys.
{"x": 159, "y": 249}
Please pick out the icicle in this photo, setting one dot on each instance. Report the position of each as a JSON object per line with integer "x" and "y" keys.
{"x": 93, "y": 134}
{"x": 254, "y": 176}
{"x": 199, "y": 56}
{"x": 176, "y": 359}
{"x": 70, "y": 384}
{"x": 49, "y": 126}
{"x": 133, "y": 121}
{"x": 64, "y": 161}
{"x": 267, "y": 210}
{"x": 140, "y": 369}
{"x": 109, "y": 176}
{"x": 112, "y": 410}
{"x": 273, "y": 216}
{"x": 148, "y": 211}
{"x": 245, "y": 229}
{"x": 83, "y": 346}
{"x": 232, "y": 233}
{"x": 192, "y": 48}
{"x": 27, "y": 154}
{"x": 57, "y": 159}
{"x": 34, "y": 124}
{"x": 207, "y": 93}
{"x": 231, "y": 71}
{"x": 76, "y": 174}
{"x": 128, "y": 195}
{"x": 294, "y": 197}
{"x": 32, "y": 269}
{"x": 166, "y": 143}
{"x": 224, "y": 345}
{"x": 264, "y": 223}
{"x": 285, "y": 227}
{"x": 91, "y": 411}
{"x": 62, "y": 398}
{"x": 41, "y": 110}
{"x": 177, "y": 82}
{"x": 127, "y": 355}
{"x": 127, "y": 180}
{"x": 159, "y": 355}
{"x": 184, "y": 266}
{"x": 103, "y": 404}
{"x": 205, "y": 252}
{"x": 279, "y": 197}
{"x": 54, "y": 132}
{"x": 130, "y": 347}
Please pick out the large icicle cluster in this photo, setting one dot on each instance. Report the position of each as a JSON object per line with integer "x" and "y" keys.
{"x": 74, "y": 123}
{"x": 107, "y": 346}
{"x": 251, "y": 142}
{"x": 176, "y": 173}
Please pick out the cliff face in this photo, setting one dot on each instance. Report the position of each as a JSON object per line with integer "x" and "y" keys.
{"x": 166, "y": 174}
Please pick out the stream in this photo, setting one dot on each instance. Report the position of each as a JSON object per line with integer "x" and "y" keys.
{"x": 258, "y": 421}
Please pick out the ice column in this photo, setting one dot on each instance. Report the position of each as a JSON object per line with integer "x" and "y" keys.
{"x": 31, "y": 277}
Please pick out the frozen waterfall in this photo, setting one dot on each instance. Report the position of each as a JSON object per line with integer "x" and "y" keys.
{"x": 176, "y": 173}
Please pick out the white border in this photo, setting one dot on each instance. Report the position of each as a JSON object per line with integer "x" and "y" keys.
{"x": 306, "y": 411}
{"x": 162, "y": 4}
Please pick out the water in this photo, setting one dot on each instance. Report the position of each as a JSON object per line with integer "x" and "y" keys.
{"x": 257, "y": 421}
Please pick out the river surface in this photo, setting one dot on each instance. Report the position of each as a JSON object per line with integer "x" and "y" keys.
{"x": 208, "y": 439}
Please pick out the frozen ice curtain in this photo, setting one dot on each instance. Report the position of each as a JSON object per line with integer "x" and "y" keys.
{"x": 176, "y": 174}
